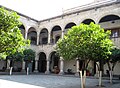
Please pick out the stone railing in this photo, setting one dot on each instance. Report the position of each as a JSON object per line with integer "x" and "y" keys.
{"x": 90, "y": 6}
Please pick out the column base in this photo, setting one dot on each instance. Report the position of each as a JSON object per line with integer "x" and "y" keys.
{"x": 47, "y": 72}
{"x": 36, "y": 71}
{"x": 77, "y": 74}
{"x": 61, "y": 73}
{"x": 23, "y": 70}
{"x": 96, "y": 75}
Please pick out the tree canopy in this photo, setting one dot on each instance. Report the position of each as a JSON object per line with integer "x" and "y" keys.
{"x": 11, "y": 39}
{"x": 29, "y": 55}
{"x": 113, "y": 58}
{"x": 17, "y": 56}
{"x": 85, "y": 42}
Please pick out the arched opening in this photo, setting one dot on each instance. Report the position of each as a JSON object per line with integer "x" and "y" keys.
{"x": 22, "y": 28}
{"x": 111, "y": 18}
{"x": 111, "y": 22}
{"x": 54, "y": 62}
{"x": 55, "y": 31}
{"x": 3, "y": 65}
{"x": 69, "y": 25}
{"x": 43, "y": 36}
{"x": 88, "y": 21}
{"x": 31, "y": 65}
{"x": 57, "y": 38}
{"x": 42, "y": 62}
{"x": 32, "y": 36}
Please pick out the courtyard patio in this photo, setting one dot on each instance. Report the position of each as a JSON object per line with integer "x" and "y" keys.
{"x": 51, "y": 81}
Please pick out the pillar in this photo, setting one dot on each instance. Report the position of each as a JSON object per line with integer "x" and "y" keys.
{"x": 61, "y": 66}
{"x": 62, "y": 34}
{"x": 26, "y": 35}
{"x": 37, "y": 38}
{"x": 8, "y": 64}
{"x": 36, "y": 63}
{"x": 47, "y": 67}
{"x": 77, "y": 67}
{"x": 97, "y": 70}
{"x": 48, "y": 38}
{"x": 23, "y": 66}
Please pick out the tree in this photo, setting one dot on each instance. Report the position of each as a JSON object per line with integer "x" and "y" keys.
{"x": 86, "y": 42}
{"x": 29, "y": 55}
{"x": 11, "y": 39}
{"x": 112, "y": 61}
{"x": 16, "y": 57}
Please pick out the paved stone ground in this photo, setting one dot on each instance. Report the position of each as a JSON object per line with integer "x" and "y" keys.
{"x": 50, "y": 81}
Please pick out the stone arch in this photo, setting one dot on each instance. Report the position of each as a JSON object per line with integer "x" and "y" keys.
{"x": 54, "y": 61}
{"x": 42, "y": 62}
{"x": 22, "y": 29}
{"x": 105, "y": 14}
{"x": 24, "y": 24}
{"x": 43, "y": 37}
{"x": 68, "y": 26}
{"x": 111, "y": 22}
{"x": 110, "y": 17}
{"x": 56, "y": 30}
{"x": 57, "y": 37}
{"x": 32, "y": 35}
{"x": 88, "y": 21}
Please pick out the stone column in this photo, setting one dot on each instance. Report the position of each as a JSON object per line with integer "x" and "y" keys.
{"x": 36, "y": 63}
{"x": 48, "y": 38}
{"x": 37, "y": 38}
{"x": 8, "y": 64}
{"x": 62, "y": 34}
{"x": 47, "y": 67}
{"x": 77, "y": 67}
{"x": 61, "y": 66}
{"x": 36, "y": 66}
{"x": 97, "y": 70}
{"x": 26, "y": 35}
{"x": 23, "y": 66}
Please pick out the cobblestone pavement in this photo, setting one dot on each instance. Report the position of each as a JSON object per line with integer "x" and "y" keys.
{"x": 50, "y": 81}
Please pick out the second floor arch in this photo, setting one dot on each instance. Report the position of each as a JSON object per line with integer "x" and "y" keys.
{"x": 88, "y": 21}
{"x": 22, "y": 29}
{"x": 68, "y": 26}
{"x": 43, "y": 36}
{"x": 32, "y": 35}
{"x": 56, "y": 30}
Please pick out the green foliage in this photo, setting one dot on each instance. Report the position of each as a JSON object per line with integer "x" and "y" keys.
{"x": 85, "y": 41}
{"x": 17, "y": 56}
{"x": 115, "y": 56}
{"x": 29, "y": 55}
{"x": 11, "y": 39}
{"x": 2, "y": 56}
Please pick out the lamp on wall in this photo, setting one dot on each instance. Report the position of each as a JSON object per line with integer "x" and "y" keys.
{"x": 113, "y": 21}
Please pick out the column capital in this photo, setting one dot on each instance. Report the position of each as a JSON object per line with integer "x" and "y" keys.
{"x": 61, "y": 58}
{"x": 47, "y": 60}
{"x": 77, "y": 58}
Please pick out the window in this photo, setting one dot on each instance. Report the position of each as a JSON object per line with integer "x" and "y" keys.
{"x": 115, "y": 33}
{"x": 33, "y": 40}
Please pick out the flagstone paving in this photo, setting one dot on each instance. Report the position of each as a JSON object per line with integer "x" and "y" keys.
{"x": 50, "y": 81}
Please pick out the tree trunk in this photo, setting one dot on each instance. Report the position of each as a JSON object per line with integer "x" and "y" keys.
{"x": 83, "y": 79}
{"x": 11, "y": 68}
{"x": 100, "y": 79}
{"x": 111, "y": 76}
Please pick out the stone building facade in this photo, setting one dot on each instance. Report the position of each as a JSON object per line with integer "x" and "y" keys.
{"x": 45, "y": 33}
